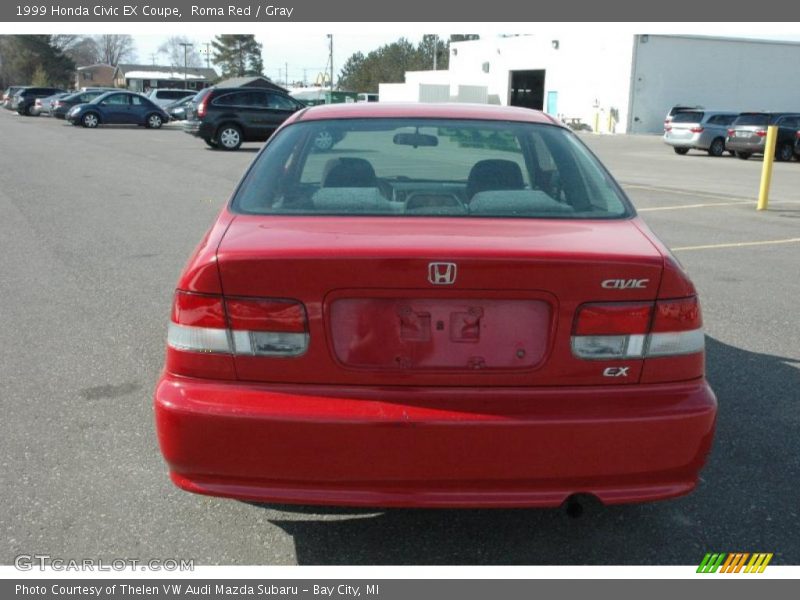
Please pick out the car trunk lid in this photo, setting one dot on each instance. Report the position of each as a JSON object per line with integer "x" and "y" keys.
{"x": 435, "y": 301}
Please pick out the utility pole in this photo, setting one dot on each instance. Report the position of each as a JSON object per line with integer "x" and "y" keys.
{"x": 208, "y": 54}
{"x": 435, "y": 49}
{"x": 186, "y": 64}
{"x": 330, "y": 59}
{"x": 286, "y": 73}
{"x": 153, "y": 58}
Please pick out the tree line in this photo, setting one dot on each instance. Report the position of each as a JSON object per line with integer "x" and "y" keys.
{"x": 51, "y": 60}
{"x": 388, "y": 64}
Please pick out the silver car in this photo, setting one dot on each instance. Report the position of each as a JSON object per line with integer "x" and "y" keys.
{"x": 699, "y": 129}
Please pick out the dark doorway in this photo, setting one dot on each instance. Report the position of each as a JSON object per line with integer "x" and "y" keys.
{"x": 527, "y": 89}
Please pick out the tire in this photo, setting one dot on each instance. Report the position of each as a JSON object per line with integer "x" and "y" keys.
{"x": 324, "y": 141}
{"x": 29, "y": 111}
{"x": 154, "y": 121}
{"x": 784, "y": 153}
{"x": 742, "y": 155}
{"x": 229, "y": 137}
{"x": 211, "y": 143}
{"x": 681, "y": 151}
{"x": 717, "y": 147}
{"x": 90, "y": 120}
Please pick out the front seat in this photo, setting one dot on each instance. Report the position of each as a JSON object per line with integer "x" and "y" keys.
{"x": 494, "y": 174}
{"x": 348, "y": 172}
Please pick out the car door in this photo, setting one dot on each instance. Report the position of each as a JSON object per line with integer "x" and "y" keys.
{"x": 116, "y": 109}
{"x": 246, "y": 108}
{"x": 279, "y": 108}
{"x": 140, "y": 108}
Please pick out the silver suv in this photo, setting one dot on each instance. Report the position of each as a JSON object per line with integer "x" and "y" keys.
{"x": 699, "y": 129}
{"x": 164, "y": 96}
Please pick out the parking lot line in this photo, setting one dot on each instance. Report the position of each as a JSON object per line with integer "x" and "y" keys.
{"x": 664, "y": 190}
{"x": 704, "y": 205}
{"x": 737, "y": 244}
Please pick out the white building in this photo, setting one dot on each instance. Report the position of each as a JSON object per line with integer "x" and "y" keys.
{"x": 619, "y": 83}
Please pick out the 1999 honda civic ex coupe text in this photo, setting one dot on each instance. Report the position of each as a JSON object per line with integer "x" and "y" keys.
{"x": 459, "y": 307}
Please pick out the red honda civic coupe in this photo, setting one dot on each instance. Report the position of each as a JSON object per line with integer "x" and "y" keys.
{"x": 456, "y": 306}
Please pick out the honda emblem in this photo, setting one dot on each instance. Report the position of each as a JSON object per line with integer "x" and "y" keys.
{"x": 442, "y": 273}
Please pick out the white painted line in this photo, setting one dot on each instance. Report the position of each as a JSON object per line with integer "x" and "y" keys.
{"x": 686, "y": 193}
{"x": 706, "y": 205}
{"x": 738, "y": 244}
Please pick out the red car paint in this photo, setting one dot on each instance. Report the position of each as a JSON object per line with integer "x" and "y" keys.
{"x": 399, "y": 392}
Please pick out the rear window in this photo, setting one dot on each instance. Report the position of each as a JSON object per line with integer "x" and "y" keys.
{"x": 429, "y": 167}
{"x": 688, "y": 117}
{"x": 752, "y": 120}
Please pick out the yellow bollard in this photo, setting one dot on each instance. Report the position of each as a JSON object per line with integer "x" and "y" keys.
{"x": 766, "y": 169}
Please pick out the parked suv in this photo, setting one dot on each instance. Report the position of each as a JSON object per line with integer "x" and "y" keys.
{"x": 676, "y": 109}
{"x": 747, "y": 135}
{"x": 25, "y": 99}
{"x": 9, "y": 94}
{"x": 163, "y": 97}
{"x": 699, "y": 129}
{"x": 226, "y": 117}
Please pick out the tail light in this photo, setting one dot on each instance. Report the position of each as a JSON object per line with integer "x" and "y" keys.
{"x": 731, "y": 131}
{"x": 201, "y": 108}
{"x": 697, "y": 129}
{"x": 58, "y": 104}
{"x": 797, "y": 135}
{"x": 667, "y": 127}
{"x": 38, "y": 102}
{"x": 761, "y": 132}
{"x": 251, "y": 326}
{"x": 608, "y": 331}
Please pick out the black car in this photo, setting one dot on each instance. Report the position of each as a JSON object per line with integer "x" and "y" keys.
{"x": 63, "y": 105}
{"x": 226, "y": 117}
{"x": 26, "y": 98}
{"x": 748, "y": 134}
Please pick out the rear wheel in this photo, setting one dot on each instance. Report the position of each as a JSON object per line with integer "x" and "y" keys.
{"x": 324, "y": 140}
{"x": 229, "y": 137}
{"x": 784, "y": 152}
{"x": 154, "y": 121}
{"x": 717, "y": 147}
{"x": 90, "y": 120}
{"x": 742, "y": 155}
{"x": 29, "y": 111}
{"x": 681, "y": 151}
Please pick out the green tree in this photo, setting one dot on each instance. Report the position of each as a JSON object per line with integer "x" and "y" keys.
{"x": 26, "y": 56}
{"x": 386, "y": 64}
{"x": 40, "y": 78}
{"x": 237, "y": 55}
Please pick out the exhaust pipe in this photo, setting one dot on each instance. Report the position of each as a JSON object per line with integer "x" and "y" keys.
{"x": 578, "y": 505}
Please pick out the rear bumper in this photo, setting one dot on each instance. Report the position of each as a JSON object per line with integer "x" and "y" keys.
{"x": 192, "y": 128}
{"x": 695, "y": 141}
{"x": 749, "y": 147}
{"x": 485, "y": 447}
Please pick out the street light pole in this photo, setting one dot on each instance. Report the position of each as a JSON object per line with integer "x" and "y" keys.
{"x": 330, "y": 57}
{"x": 185, "y": 64}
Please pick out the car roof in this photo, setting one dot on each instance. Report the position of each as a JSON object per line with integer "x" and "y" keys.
{"x": 388, "y": 110}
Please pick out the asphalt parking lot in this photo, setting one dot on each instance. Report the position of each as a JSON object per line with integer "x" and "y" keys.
{"x": 95, "y": 226}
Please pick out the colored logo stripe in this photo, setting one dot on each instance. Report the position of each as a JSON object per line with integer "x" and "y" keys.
{"x": 711, "y": 563}
{"x": 734, "y": 562}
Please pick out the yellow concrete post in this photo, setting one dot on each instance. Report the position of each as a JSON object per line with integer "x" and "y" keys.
{"x": 766, "y": 169}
